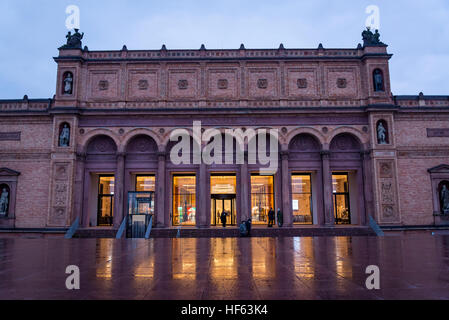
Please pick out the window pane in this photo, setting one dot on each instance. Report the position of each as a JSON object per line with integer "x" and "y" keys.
{"x": 302, "y": 199}
{"x": 262, "y": 198}
{"x": 184, "y": 200}
{"x": 145, "y": 183}
{"x": 301, "y": 184}
{"x": 106, "y": 185}
{"x": 340, "y": 183}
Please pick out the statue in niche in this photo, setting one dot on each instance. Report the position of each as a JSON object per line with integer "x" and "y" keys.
{"x": 378, "y": 81}
{"x": 64, "y": 137}
{"x": 68, "y": 84}
{"x": 4, "y": 202}
{"x": 444, "y": 197}
{"x": 381, "y": 134}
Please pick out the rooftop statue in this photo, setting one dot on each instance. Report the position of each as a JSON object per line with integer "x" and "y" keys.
{"x": 370, "y": 38}
{"x": 73, "y": 40}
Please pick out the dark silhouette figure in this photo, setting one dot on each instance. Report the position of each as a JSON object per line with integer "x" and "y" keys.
{"x": 223, "y": 218}
{"x": 270, "y": 218}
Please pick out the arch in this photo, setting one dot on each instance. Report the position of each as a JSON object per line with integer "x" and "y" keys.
{"x": 304, "y": 142}
{"x": 139, "y": 132}
{"x": 166, "y": 144}
{"x": 345, "y": 142}
{"x": 362, "y": 140}
{"x": 86, "y": 139}
{"x": 305, "y": 130}
{"x": 101, "y": 147}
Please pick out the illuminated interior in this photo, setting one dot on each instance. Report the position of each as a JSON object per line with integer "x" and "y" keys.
{"x": 184, "y": 200}
{"x": 145, "y": 183}
{"x": 340, "y": 188}
{"x": 302, "y": 198}
{"x": 262, "y": 198}
{"x": 223, "y": 196}
{"x": 105, "y": 201}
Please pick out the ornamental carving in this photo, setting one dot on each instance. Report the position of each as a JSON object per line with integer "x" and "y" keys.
{"x": 183, "y": 84}
{"x": 302, "y": 83}
{"x": 262, "y": 83}
{"x": 103, "y": 85}
{"x": 222, "y": 84}
{"x": 342, "y": 83}
{"x": 143, "y": 84}
{"x": 385, "y": 170}
{"x": 388, "y": 211}
{"x": 387, "y": 192}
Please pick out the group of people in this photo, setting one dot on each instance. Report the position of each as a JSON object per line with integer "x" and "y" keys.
{"x": 245, "y": 226}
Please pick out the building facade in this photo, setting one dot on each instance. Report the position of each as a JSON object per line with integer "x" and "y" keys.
{"x": 347, "y": 148}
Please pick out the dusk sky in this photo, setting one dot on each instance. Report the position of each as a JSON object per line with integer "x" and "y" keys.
{"x": 416, "y": 31}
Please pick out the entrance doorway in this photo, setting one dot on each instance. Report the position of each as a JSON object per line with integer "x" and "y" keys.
{"x": 342, "y": 210}
{"x": 220, "y": 203}
{"x": 105, "y": 210}
{"x": 223, "y": 198}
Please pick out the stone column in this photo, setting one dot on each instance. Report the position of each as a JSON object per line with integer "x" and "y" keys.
{"x": 328, "y": 207}
{"x": 119, "y": 189}
{"x": 202, "y": 199}
{"x": 160, "y": 193}
{"x": 367, "y": 188}
{"x": 79, "y": 187}
{"x": 244, "y": 186}
{"x": 286, "y": 208}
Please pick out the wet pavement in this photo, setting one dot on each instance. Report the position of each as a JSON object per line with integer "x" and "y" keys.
{"x": 411, "y": 267}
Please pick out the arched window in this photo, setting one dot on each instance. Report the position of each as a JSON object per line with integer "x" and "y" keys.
{"x": 67, "y": 83}
{"x": 382, "y": 132}
{"x": 378, "y": 80}
{"x": 64, "y": 135}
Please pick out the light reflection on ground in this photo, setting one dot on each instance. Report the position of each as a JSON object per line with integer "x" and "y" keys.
{"x": 412, "y": 266}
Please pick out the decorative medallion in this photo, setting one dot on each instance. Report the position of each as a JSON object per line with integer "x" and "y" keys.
{"x": 143, "y": 84}
{"x": 342, "y": 83}
{"x": 103, "y": 85}
{"x": 262, "y": 83}
{"x": 183, "y": 84}
{"x": 222, "y": 84}
{"x": 325, "y": 129}
{"x": 302, "y": 83}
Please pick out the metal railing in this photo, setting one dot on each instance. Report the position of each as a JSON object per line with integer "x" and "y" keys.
{"x": 72, "y": 230}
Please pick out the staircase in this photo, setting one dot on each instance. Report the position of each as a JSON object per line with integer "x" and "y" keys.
{"x": 232, "y": 232}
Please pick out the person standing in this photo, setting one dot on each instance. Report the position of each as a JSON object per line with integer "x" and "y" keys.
{"x": 223, "y": 218}
{"x": 270, "y": 218}
{"x": 280, "y": 217}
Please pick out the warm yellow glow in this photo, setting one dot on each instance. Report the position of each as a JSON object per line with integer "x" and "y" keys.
{"x": 223, "y": 265}
{"x": 183, "y": 259}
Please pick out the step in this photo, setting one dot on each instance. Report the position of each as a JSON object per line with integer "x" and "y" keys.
{"x": 232, "y": 232}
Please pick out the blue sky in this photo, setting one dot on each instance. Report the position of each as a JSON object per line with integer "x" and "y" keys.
{"x": 417, "y": 33}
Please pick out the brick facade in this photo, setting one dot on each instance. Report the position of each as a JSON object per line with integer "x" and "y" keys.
{"x": 318, "y": 98}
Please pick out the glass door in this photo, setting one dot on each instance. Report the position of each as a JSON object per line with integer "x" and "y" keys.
{"x": 220, "y": 203}
{"x": 105, "y": 211}
{"x": 342, "y": 210}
